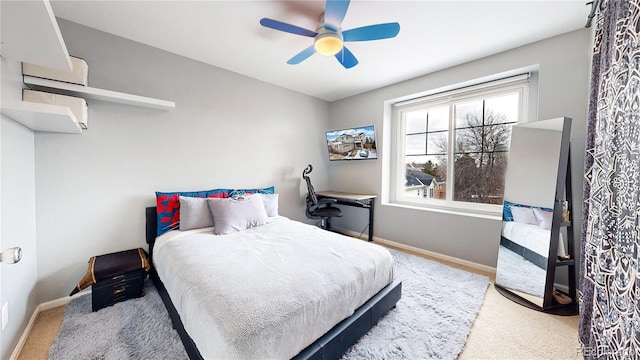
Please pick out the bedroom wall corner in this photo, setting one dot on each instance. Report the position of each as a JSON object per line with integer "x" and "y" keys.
{"x": 17, "y": 213}
{"x": 227, "y": 130}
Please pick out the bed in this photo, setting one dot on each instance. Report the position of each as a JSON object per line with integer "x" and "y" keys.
{"x": 526, "y": 231}
{"x": 529, "y": 241}
{"x": 335, "y": 289}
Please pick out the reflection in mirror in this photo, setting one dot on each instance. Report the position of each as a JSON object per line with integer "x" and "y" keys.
{"x": 528, "y": 213}
{"x": 524, "y": 249}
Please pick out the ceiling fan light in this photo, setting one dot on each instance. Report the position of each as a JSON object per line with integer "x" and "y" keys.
{"x": 328, "y": 44}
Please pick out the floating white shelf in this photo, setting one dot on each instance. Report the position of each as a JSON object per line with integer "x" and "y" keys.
{"x": 42, "y": 117}
{"x": 97, "y": 94}
{"x": 30, "y": 33}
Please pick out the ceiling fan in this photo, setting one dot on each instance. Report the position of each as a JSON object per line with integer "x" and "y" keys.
{"x": 329, "y": 38}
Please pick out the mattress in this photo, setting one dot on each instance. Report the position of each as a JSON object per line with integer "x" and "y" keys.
{"x": 268, "y": 291}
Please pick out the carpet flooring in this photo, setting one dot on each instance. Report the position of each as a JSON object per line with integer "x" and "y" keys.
{"x": 432, "y": 320}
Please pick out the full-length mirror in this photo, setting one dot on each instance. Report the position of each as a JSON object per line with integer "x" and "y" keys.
{"x": 534, "y": 187}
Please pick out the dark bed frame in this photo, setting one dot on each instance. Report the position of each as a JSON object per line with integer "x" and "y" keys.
{"x": 530, "y": 255}
{"x": 331, "y": 345}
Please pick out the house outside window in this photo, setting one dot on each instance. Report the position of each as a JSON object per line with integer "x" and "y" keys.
{"x": 451, "y": 149}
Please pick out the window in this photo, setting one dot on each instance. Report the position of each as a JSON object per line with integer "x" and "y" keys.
{"x": 452, "y": 148}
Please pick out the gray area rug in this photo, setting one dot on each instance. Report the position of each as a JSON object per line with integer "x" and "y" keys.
{"x": 431, "y": 321}
{"x": 520, "y": 274}
{"x": 134, "y": 329}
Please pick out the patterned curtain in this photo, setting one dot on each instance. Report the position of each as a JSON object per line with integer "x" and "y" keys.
{"x": 609, "y": 293}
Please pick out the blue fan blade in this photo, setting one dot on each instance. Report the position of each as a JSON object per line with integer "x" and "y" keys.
{"x": 334, "y": 12}
{"x": 303, "y": 55}
{"x": 279, "y": 25}
{"x": 346, "y": 58}
{"x": 372, "y": 32}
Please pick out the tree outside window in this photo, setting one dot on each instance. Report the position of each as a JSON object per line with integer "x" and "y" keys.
{"x": 472, "y": 132}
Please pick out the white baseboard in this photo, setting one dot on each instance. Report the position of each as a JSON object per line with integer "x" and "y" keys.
{"x": 471, "y": 264}
{"x": 62, "y": 301}
{"x": 40, "y": 308}
{"x": 25, "y": 334}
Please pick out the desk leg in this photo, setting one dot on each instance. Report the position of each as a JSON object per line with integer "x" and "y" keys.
{"x": 371, "y": 202}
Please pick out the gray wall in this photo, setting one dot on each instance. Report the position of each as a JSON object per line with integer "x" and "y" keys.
{"x": 227, "y": 130}
{"x": 18, "y": 214}
{"x": 564, "y": 63}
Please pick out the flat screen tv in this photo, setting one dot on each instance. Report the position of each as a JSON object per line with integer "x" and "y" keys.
{"x": 352, "y": 144}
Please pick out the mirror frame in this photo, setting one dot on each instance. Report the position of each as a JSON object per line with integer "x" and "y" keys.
{"x": 563, "y": 170}
{"x": 562, "y": 178}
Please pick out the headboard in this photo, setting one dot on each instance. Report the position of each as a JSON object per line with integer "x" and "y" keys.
{"x": 151, "y": 225}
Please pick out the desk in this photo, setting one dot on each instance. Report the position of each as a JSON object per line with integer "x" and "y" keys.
{"x": 358, "y": 200}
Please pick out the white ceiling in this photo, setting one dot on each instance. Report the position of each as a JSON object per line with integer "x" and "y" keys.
{"x": 433, "y": 35}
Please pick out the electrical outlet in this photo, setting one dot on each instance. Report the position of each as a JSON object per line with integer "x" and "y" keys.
{"x": 5, "y": 315}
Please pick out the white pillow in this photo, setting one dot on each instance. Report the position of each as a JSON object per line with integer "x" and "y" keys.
{"x": 544, "y": 218}
{"x": 270, "y": 204}
{"x": 237, "y": 213}
{"x": 523, "y": 215}
{"x": 194, "y": 213}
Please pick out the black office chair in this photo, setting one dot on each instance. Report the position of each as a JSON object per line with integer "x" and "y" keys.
{"x": 319, "y": 209}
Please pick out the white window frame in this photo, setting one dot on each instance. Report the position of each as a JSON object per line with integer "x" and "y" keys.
{"x": 519, "y": 84}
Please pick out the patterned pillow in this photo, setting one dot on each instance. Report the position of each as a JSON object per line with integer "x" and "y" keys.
{"x": 507, "y": 211}
{"x": 168, "y": 204}
{"x": 237, "y": 192}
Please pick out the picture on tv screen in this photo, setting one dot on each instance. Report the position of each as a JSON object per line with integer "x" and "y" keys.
{"x": 352, "y": 144}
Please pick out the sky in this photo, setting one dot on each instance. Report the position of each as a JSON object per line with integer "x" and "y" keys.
{"x": 368, "y": 132}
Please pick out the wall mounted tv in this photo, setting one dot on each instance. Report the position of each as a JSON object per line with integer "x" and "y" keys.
{"x": 352, "y": 144}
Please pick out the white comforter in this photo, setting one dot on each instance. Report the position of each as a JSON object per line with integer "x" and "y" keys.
{"x": 270, "y": 291}
{"x": 531, "y": 237}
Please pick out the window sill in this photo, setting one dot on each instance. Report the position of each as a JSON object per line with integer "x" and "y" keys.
{"x": 458, "y": 212}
